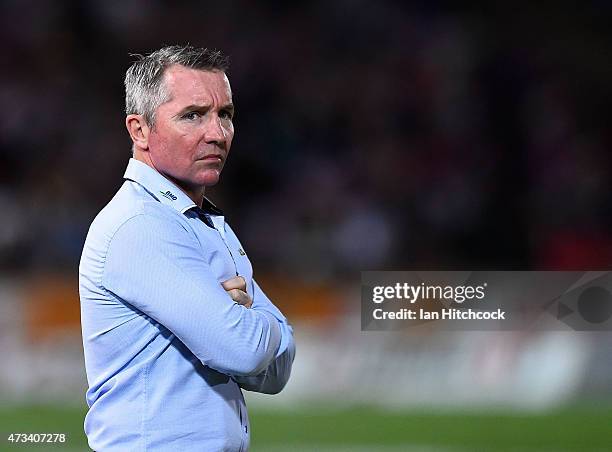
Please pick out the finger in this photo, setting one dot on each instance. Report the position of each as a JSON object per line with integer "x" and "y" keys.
{"x": 236, "y": 294}
{"x": 237, "y": 282}
{"x": 243, "y": 299}
{"x": 240, "y": 297}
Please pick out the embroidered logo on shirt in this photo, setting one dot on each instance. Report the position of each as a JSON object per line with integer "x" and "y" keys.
{"x": 241, "y": 251}
{"x": 168, "y": 195}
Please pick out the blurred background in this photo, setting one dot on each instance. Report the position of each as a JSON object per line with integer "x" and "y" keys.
{"x": 369, "y": 136}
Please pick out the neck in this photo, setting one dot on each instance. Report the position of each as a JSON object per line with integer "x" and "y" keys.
{"x": 196, "y": 194}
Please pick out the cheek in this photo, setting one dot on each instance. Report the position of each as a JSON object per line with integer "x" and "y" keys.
{"x": 229, "y": 136}
{"x": 158, "y": 143}
{"x": 171, "y": 145}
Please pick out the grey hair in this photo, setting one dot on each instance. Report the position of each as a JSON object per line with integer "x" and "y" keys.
{"x": 144, "y": 87}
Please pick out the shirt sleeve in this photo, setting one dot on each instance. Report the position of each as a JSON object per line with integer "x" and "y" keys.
{"x": 156, "y": 265}
{"x": 274, "y": 378}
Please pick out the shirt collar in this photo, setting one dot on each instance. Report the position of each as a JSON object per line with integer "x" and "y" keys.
{"x": 163, "y": 190}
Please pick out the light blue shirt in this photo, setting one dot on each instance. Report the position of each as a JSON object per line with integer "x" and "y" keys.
{"x": 167, "y": 350}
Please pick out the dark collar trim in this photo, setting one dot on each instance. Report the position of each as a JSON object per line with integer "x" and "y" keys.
{"x": 210, "y": 208}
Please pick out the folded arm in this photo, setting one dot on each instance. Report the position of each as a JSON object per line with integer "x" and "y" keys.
{"x": 155, "y": 264}
{"x": 274, "y": 377}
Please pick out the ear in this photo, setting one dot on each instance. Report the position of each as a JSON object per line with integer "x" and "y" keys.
{"x": 138, "y": 129}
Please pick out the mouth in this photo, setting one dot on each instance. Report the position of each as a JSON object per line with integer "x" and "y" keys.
{"x": 212, "y": 158}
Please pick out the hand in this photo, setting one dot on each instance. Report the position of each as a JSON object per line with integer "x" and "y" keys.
{"x": 236, "y": 288}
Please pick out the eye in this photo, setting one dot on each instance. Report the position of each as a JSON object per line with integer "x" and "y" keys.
{"x": 225, "y": 114}
{"x": 191, "y": 116}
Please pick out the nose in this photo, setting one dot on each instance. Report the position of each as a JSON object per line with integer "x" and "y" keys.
{"x": 214, "y": 132}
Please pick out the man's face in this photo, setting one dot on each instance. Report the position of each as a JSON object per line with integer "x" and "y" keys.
{"x": 193, "y": 131}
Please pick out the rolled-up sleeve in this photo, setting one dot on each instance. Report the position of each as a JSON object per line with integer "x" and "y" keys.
{"x": 155, "y": 264}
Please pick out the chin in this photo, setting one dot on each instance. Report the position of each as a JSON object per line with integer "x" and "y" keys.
{"x": 209, "y": 178}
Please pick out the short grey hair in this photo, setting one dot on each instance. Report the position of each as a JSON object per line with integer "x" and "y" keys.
{"x": 144, "y": 87}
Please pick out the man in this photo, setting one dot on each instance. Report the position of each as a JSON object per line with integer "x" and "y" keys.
{"x": 174, "y": 325}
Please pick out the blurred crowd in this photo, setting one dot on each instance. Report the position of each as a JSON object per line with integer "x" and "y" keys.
{"x": 369, "y": 135}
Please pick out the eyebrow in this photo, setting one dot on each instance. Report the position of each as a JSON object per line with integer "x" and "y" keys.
{"x": 195, "y": 107}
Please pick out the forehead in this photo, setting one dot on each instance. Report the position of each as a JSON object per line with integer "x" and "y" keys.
{"x": 197, "y": 86}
